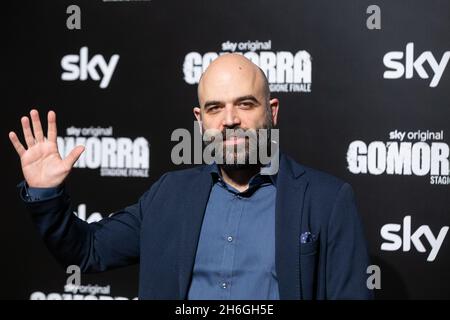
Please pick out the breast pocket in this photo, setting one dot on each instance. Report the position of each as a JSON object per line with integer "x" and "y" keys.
{"x": 308, "y": 268}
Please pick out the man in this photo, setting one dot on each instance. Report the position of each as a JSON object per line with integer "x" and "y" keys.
{"x": 218, "y": 231}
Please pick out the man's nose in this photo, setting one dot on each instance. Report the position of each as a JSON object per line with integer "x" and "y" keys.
{"x": 231, "y": 118}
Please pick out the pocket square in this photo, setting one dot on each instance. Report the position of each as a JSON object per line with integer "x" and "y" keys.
{"x": 307, "y": 237}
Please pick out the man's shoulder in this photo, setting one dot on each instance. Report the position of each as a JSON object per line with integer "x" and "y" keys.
{"x": 182, "y": 175}
{"x": 323, "y": 188}
{"x": 324, "y": 192}
{"x": 323, "y": 179}
{"x": 187, "y": 172}
{"x": 315, "y": 177}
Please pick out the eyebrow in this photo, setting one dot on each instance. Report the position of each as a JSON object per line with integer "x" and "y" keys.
{"x": 247, "y": 97}
{"x": 211, "y": 103}
{"x": 237, "y": 100}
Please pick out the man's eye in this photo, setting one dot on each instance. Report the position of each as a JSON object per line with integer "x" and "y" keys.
{"x": 246, "y": 104}
{"x": 213, "y": 108}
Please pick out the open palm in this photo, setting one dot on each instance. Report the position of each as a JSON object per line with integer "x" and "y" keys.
{"x": 42, "y": 166}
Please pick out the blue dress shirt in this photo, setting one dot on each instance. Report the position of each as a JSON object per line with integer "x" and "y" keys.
{"x": 235, "y": 257}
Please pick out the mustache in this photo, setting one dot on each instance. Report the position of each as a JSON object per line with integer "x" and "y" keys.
{"x": 227, "y": 133}
{"x": 235, "y": 133}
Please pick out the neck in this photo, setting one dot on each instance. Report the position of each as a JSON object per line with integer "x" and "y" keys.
{"x": 239, "y": 178}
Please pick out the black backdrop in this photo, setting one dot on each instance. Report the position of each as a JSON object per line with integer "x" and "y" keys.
{"x": 348, "y": 99}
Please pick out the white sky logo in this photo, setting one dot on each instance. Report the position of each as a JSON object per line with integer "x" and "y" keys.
{"x": 285, "y": 71}
{"x": 395, "y": 242}
{"x": 393, "y": 61}
{"x": 80, "y": 67}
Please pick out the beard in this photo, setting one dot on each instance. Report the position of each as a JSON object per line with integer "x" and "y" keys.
{"x": 238, "y": 148}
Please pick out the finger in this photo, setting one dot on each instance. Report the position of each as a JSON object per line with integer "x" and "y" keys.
{"x": 27, "y": 133}
{"x": 16, "y": 143}
{"x": 52, "y": 131}
{"x": 73, "y": 156}
{"x": 37, "y": 128}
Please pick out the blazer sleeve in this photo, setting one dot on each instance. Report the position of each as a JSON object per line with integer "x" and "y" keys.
{"x": 109, "y": 243}
{"x": 347, "y": 254}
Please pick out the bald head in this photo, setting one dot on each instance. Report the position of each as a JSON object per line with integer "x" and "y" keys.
{"x": 229, "y": 72}
{"x": 233, "y": 92}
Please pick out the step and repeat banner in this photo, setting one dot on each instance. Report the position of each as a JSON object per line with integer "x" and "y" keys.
{"x": 364, "y": 90}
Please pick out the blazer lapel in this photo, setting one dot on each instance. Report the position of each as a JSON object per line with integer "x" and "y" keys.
{"x": 288, "y": 211}
{"x": 193, "y": 204}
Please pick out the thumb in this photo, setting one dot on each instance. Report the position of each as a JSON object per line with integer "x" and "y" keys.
{"x": 73, "y": 156}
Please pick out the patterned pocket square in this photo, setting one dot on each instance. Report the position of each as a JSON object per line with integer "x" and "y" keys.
{"x": 307, "y": 237}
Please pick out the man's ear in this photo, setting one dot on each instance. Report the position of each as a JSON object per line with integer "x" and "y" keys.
{"x": 198, "y": 116}
{"x": 197, "y": 113}
{"x": 274, "y": 107}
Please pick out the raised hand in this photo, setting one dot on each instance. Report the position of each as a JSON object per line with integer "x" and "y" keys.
{"x": 42, "y": 166}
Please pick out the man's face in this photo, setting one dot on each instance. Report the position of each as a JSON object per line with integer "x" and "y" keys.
{"x": 232, "y": 96}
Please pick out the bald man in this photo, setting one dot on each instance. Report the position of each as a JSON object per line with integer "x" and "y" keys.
{"x": 219, "y": 231}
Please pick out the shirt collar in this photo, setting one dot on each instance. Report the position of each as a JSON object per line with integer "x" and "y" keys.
{"x": 257, "y": 179}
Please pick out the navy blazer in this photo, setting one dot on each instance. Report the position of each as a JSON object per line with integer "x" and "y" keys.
{"x": 162, "y": 229}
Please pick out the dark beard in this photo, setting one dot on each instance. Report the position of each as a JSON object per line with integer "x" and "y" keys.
{"x": 232, "y": 157}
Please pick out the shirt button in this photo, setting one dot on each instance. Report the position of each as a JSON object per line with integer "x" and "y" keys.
{"x": 224, "y": 285}
{"x": 230, "y": 238}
